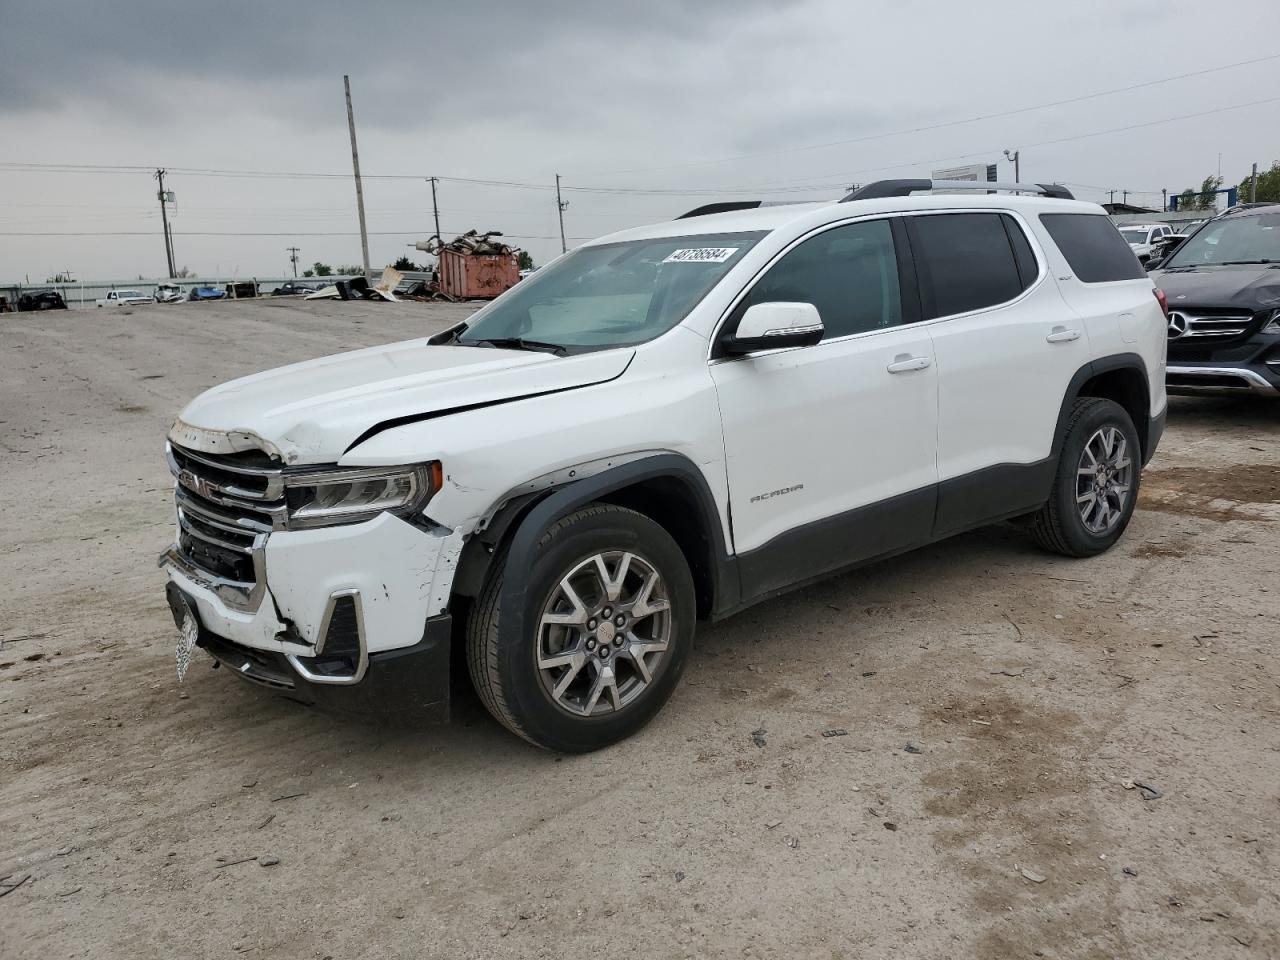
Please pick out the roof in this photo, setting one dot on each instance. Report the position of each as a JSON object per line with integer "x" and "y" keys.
{"x": 1251, "y": 209}
{"x": 815, "y": 214}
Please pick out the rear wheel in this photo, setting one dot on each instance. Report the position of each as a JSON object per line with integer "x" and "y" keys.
{"x": 608, "y": 624}
{"x": 1096, "y": 486}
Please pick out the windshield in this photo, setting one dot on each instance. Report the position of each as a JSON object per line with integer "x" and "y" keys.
{"x": 612, "y": 295}
{"x": 1135, "y": 236}
{"x": 1237, "y": 239}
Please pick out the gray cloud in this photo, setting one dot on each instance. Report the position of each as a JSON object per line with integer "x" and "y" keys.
{"x": 442, "y": 59}
{"x": 710, "y": 95}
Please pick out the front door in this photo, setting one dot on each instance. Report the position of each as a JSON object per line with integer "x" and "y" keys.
{"x": 830, "y": 449}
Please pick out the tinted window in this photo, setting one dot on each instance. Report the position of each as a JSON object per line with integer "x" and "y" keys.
{"x": 1022, "y": 255}
{"x": 849, "y": 273}
{"x": 966, "y": 261}
{"x": 1093, "y": 247}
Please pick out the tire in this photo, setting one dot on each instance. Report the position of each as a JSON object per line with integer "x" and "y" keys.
{"x": 1059, "y": 525}
{"x": 546, "y": 686}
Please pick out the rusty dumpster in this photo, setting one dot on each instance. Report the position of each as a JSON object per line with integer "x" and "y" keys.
{"x": 476, "y": 276}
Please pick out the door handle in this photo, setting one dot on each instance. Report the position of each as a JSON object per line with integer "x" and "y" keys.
{"x": 1062, "y": 335}
{"x": 904, "y": 363}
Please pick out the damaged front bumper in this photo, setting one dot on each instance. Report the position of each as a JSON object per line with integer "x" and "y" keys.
{"x": 351, "y": 618}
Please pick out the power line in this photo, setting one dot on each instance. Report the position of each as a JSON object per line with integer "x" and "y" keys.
{"x": 987, "y": 152}
{"x": 208, "y": 171}
{"x": 956, "y": 123}
{"x": 242, "y": 233}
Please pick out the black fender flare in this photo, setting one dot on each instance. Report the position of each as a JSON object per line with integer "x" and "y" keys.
{"x": 564, "y": 500}
{"x": 1108, "y": 364}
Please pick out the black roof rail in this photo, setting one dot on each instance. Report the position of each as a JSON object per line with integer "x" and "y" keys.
{"x": 724, "y": 206}
{"x": 904, "y": 188}
{"x": 728, "y": 206}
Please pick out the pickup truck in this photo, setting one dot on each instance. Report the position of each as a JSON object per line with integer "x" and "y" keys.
{"x": 129, "y": 298}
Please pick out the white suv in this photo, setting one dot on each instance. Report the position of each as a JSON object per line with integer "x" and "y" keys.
{"x": 1143, "y": 237}
{"x": 665, "y": 425}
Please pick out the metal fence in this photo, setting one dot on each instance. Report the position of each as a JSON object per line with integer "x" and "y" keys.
{"x": 86, "y": 294}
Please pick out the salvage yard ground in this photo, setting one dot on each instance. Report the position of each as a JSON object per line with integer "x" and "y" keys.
{"x": 1037, "y": 693}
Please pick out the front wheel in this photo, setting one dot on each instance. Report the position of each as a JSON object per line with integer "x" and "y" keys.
{"x": 608, "y": 625}
{"x": 1096, "y": 486}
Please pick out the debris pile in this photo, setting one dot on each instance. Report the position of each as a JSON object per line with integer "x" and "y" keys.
{"x": 357, "y": 288}
{"x": 473, "y": 266}
{"x": 471, "y": 243}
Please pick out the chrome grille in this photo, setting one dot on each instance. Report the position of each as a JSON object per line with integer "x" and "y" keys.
{"x": 1188, "y": 325}
{"x": 225, "y": 505}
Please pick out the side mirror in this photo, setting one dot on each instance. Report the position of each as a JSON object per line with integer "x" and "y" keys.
{"x": 1153, "y": 263}
{"x": 767, "y": 326}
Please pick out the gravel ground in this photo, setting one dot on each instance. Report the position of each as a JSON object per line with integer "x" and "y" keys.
{"x": 1035, "y": 689}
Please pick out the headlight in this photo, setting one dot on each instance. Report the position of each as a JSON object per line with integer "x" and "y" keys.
{"x": 1273, "y": 325}
{"x": 326, "y": 498}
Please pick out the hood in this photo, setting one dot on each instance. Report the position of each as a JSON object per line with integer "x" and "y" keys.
{"x": 1251, "y": 287}
{"x": 312, "y": 412}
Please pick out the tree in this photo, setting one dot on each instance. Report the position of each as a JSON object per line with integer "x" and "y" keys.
{"x": 308, "y": 273}
{"x": 1203, "y": 199}
{"x": 349, "y": 269}
{"x": 525, "y": 260}
{"x": 1268, "y": 185}
{"x": 404, "y": 263}
{"x": 319, "y": 270}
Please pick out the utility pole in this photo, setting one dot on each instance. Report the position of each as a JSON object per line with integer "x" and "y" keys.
{"x": 435, "y": 209}
{"x": 1113, "y": 196}
{"x": 560, "y": 205}
{"x": 164, "y": 222}
{"x": 355, "y": 164}
{"x": 1164, "y": 202}
{"x": 1017, "y": 169}
{"x": 1253, "y": 185}
{"x": 293, "y": 258}
{"x": 1124, "y": 196}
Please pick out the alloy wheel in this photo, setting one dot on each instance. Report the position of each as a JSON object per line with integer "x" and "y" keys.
{"x": 604, "y": 633}
{"x": 1104, "y": 480}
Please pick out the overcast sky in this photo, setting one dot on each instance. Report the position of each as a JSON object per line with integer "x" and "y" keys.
{"x": 714, "y": 95}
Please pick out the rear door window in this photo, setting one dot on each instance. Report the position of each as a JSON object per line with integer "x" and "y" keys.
{"x": 966, "y": 262}
{"x": 1093, "y": 247}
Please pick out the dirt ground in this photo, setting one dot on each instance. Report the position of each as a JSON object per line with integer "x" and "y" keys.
{"x": 1036, "y": 690}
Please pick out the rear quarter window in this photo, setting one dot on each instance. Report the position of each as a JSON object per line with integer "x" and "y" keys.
{"x": 1093, "y": 247}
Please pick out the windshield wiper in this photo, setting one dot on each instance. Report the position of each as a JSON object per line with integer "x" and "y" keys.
{"x": 520, "y": 343}
{"x": 1232, "y": 263}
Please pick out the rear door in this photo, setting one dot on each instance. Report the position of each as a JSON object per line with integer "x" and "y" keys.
{"x": 830, "y": 448}
{"x": 1103, "y": 282}
{"x": 1007, "y": 348}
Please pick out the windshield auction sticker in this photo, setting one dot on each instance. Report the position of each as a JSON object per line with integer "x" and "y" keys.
{"x": 701, "y": 255}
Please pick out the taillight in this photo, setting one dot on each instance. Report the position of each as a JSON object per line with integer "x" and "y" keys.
{"x": 1162, "y": 300}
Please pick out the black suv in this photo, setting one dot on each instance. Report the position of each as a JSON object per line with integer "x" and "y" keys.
{"x": 1223, "y": 285}
{"x": 41, "y": 300}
